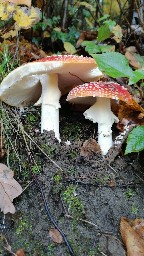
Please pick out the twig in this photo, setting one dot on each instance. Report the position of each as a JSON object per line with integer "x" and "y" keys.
{"x": 7, "y": 247}
{"x": 82, "y": 220}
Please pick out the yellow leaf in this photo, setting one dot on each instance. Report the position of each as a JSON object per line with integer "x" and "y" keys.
{"x": 69, "y": 48}
{"x": 26, "y": 17}
{"x": 88, "y": 6}
{"x": 117, "y": 31}
{"x": 17, "y": 2}
{"x": 11, "y": 33}
{"x": 57, "y": 29}
{"x": 88, "y": 22}
{"x": 6, "y": 10}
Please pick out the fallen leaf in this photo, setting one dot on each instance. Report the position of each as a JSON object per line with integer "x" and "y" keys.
{"x": 135, "y": 59}
{"x": 131, "y": 49}
{"x": 69, "y": 48}
{"x": 132, "y": 60}
{"x": 132, "y": 232}
{"x": 81, "y": 39}
{"x": 9, "y": 189}
{"x": 112, "y": 183}
{"x": 134, "y": 113}
{"x": 20, "y": 252}
{"x": 11, "y": 33}
{"x": 117, "y": 31}
{"x": 89, "y": 148}
{"x": 141, "y": 116}
{"x": 55, "y": 236}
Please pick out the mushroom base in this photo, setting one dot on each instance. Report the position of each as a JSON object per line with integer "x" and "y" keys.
{"x": 50, "y": 103}
{"x": 101, "y": 113}
{"x": 50, "y": 120}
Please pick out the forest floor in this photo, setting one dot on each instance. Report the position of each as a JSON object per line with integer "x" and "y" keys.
{"x": 86, "y": 195}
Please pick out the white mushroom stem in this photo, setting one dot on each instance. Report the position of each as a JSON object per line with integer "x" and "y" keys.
{"x": 50, "y": 103}
{"x": 101, "y": 113}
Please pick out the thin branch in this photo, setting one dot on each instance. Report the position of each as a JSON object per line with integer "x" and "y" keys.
{"x": 65, "y": 14}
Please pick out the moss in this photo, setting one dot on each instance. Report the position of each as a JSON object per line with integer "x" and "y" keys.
{"x": 23, "y": 225}
{"x": 74, "y": 204}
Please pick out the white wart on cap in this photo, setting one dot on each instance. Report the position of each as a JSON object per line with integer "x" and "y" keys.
{"x": 47, "y": 78}
{"x": 100, "y": 112}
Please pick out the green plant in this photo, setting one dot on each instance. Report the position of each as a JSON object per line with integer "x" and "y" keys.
{"x": 50, "y": 250}
{"x": 36, "y": 169}
{"x": 134, "y": 209}
{"x": 23, "y": 225}
{"x": 75, "y": 206}
{"x": 135, "y": 140}
{"x": 6, "y": 64}
{"x": 30, "y": 117}
{"x": 129, "y": 193}
{"x": 71, "y": 170}
{"x": 57, "y": 178}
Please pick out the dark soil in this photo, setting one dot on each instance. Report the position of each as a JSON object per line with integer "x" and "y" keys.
{"x": 86, "y": 194}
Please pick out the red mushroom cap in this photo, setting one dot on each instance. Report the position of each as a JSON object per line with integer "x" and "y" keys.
{"x": 100, "y": 89}
{"x": 68, "y": 59}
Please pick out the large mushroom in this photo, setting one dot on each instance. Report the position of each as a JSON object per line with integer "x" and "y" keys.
{"x": 47, "y": 78}
{"x": 99, "y": 95}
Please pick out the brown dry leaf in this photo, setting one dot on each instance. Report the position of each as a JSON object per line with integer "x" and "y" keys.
{"x": 20, "y": 252}
{"x": 112, "y": 183}
{"x": 138, "y": 226}
{"x": 132, "y": 233}
{"x": 141, "y": 116}
{"x": 11, "y": 33}
{"x": 55, "y": 236}
{"x": 89, "y": 148}
{"x": 9, "y": 189}
{"x": 131, "y": 49}
{"x": 131, "y": 112}
{"x": 132, "y": 60}
{"x": 135, "y": 59}
{"x": 81, "y": 39}
{"x": 40, "y": 3}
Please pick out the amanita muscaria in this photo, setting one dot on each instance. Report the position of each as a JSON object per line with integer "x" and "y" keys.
{"x": 100, "y": 94}
{"x": 47, "y": 78}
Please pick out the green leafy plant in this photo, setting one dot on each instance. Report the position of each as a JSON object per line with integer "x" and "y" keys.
{"x": 129, "y": 193}
{"x": 113, "y": 64}
{"x": 135, "y": 141}
{"x": 91, "y": 47}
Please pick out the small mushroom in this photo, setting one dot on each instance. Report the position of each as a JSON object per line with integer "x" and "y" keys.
{"x": 47, "y": 78}
{"x": 100, "y": 93}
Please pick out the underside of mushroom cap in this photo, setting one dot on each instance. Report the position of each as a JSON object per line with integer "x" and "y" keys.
{"x": 30, "y": 93}
{"x": 71, "y": 70}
